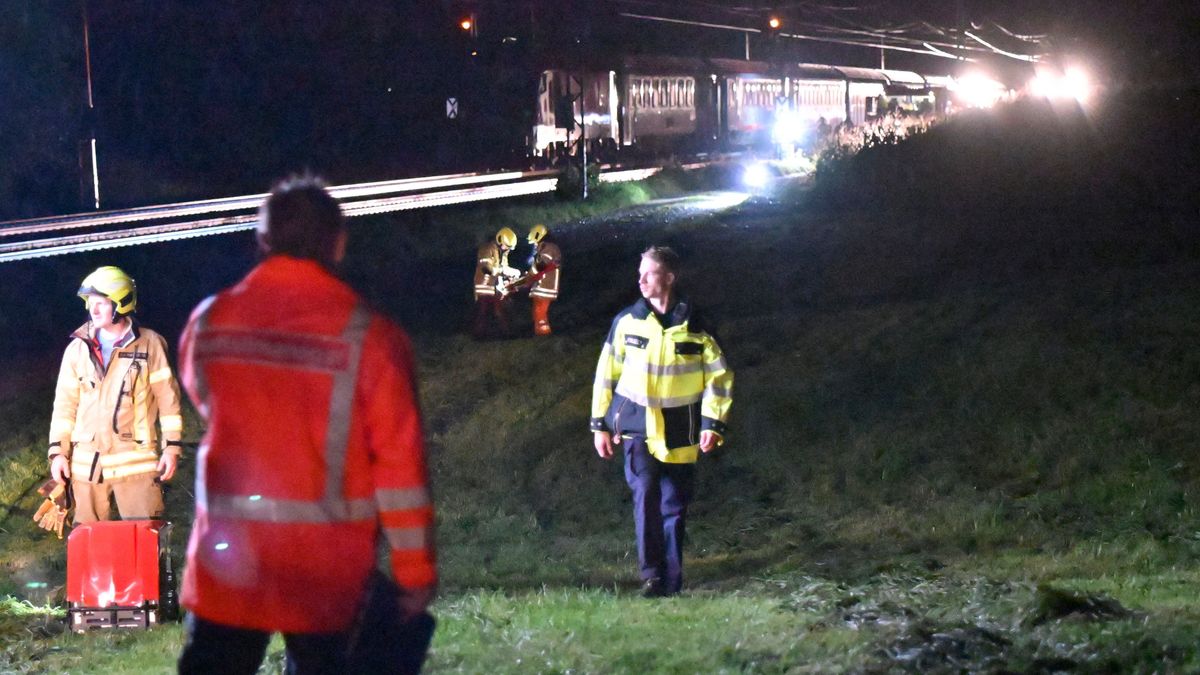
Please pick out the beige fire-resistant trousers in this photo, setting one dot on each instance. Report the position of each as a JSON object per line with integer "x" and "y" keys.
{"x": 137, "y": 499}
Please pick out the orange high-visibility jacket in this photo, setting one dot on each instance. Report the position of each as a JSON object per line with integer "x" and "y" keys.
{"x": 313, "y": 447}
{"x": 104, "y": 418}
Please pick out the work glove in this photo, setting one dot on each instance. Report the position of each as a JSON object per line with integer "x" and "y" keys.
{"x": 52, "y": 514}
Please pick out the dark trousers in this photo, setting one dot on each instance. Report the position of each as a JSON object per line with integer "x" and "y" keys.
{"x": 216, "y": 648}
{"x": 661, "y": 494}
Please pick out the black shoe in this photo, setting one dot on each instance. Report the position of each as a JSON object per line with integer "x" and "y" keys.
{"x": 653, "y": 588}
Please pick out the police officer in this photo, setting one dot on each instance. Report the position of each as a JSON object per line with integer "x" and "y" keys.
{"x": 662, "y": 391}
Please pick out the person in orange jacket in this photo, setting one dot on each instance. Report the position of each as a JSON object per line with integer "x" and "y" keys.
{"x": 313, "y": 455}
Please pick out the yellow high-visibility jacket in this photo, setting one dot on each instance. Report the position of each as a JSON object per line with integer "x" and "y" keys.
{"x": 668, "y": 383}
{"x": 104, "y": 419}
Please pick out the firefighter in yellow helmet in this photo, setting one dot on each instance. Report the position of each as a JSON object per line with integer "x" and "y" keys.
{"x": 116, "y": 406}
{"x": 545, "y": 264}
{"x": 492, "y": 275}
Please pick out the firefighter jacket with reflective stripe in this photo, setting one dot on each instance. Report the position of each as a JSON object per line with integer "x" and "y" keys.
{"x": 547, "y": 261}
{"x": 667, "y": 383}
{"x": 490, "y": 262}
{"x": 313, "y": 453}
{"x": 105, "y": 419}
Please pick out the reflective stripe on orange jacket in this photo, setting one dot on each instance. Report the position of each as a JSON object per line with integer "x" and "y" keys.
{"x": 314, "y": 446}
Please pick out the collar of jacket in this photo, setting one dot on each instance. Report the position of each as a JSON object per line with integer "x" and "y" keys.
{"x": 295, "y": 272}
{"x": 88, "y": 334}
{"x": 676, "y": 315}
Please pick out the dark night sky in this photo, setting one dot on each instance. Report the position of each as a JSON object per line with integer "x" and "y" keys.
{"x": 208, "y": 97}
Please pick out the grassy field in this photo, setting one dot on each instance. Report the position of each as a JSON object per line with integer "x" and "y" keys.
{"x": 963, "y": 435}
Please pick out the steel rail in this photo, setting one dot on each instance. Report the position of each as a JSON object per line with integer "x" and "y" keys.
{"x": 227, "y": 204}
{"x": 522, "y": 184}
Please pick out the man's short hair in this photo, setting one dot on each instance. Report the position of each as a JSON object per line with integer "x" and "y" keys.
{"x": 665, "y": 256}
{"x": 301, "y": 219}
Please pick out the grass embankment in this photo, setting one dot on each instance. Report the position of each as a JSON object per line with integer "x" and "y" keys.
{"x": 962, "y": 437}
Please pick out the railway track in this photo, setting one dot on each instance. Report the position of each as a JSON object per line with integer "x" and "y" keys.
{"x": 62, "y": 235}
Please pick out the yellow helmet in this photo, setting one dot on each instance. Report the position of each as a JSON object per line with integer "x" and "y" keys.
{"x": 506, "y": 237}
{"x": 114, "y": 284}
{"x": 537, "y": 233}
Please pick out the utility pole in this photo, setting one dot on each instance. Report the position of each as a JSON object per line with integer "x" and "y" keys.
{"x": 88, "y": 162}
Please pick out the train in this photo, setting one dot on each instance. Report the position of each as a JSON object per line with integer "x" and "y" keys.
{"x": 650, "y": 106}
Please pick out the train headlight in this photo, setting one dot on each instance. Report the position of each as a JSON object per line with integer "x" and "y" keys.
{"x": 1072, "y": 83}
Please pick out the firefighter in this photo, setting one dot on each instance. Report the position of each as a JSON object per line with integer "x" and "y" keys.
{"x": 663, "y": 391}
{"x": 492, "y": 274}
{"x": 313, "y": 456}
{"x": 544, "y": 265}
{"x": 114, "y": 386}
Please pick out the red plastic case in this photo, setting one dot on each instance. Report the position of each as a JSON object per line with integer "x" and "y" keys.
{"x": 114, "y": 570}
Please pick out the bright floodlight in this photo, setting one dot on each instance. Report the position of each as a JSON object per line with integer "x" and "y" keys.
{"x": 978, "y": 91}
{"x": 756, "y": 176}
{"x": 788, "y": 129}
{"x": 1076, "y": 84}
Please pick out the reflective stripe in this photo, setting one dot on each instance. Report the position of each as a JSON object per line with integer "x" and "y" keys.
{"x": 160, "y": 375}
{"x": 200, "y": 382}
{"x": 295, "y": 351}
{"x": 60, "y": 427}
{"x": 674, "y": 369}
{"x": 719, "y": 364}
{"x": 401, "y": 498}
{"x": 607, "y": 352}
{"x": 331, "y": 508}
{"x": 131, "y": 470}
{"x": 406, "y": 538}
{"x": 341, "y": 403}
{"x": 271, "y": 510}
{"x": 656, "y": 402}
{"x": 721, "y": 392}
{"x": 171, "y": 423}
{"x": 115, "y": 459}
{"x": 605, "y": 383}
{"x": 114, "y": 466}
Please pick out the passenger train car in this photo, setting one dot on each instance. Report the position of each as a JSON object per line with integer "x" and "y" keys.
{"x": 652, "y": 105}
